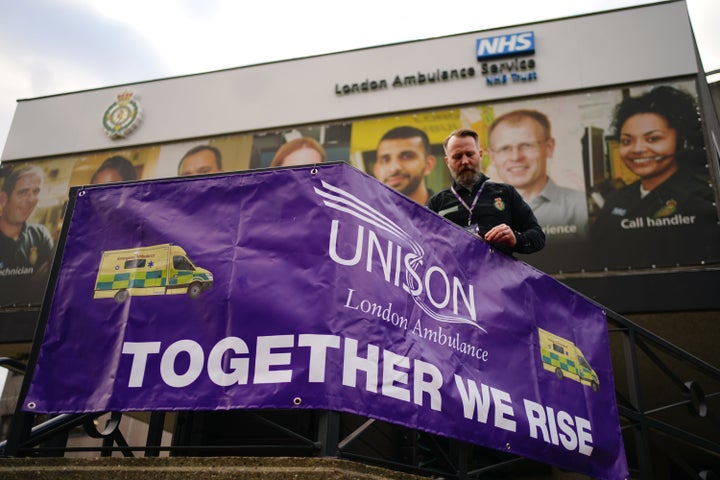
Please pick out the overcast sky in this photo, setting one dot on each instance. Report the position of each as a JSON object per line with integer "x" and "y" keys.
{"x": 58, "y": 46}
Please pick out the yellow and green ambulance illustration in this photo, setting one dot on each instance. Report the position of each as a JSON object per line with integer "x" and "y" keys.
{"x": 562, "y": 357}
{"x": 155, "y": 270}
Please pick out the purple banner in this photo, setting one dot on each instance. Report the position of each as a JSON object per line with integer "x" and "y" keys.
{"x": 321, "y": 288}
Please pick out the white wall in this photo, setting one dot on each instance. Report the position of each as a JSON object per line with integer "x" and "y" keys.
{"x": 612, "y": 48}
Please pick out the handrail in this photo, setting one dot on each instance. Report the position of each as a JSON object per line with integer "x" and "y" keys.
{"x": 661, "y": 342}
{"x": 52, "y": 427}
{"x": 13, "y": 364}
{"x": 647, "y": 424}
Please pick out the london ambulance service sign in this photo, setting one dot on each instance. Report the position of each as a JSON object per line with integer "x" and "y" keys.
{"x": 321, "y": 288}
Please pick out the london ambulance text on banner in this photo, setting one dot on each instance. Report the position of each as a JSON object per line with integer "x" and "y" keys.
{"x": 321, "y": 288}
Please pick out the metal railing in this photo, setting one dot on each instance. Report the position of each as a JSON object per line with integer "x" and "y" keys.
{"x": 667, "y": 401}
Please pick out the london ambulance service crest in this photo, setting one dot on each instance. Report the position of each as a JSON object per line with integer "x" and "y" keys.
{"x": 122, "y": 116}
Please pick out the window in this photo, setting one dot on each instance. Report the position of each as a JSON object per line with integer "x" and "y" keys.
{"x": 182, "y": 263}
{"x": 135, "y": 263}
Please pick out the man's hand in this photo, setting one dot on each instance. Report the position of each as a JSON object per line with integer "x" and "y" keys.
{"x": 501, "y": 235}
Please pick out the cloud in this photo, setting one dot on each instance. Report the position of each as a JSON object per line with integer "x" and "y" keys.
{"x": 52, "y": 39}
{"x": 49, "y": 47}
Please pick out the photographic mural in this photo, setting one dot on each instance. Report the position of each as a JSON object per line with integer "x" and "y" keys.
{"x": 617, "y": 177}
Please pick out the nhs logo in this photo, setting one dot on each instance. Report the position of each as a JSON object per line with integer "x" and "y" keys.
{"x": 505, "y": 45}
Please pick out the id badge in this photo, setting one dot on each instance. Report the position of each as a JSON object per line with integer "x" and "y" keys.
{"x": 473, "y": 229}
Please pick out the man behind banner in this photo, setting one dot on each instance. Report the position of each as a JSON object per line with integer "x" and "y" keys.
{"x": 26, "y": 249}
{"x": 494, "y": 211}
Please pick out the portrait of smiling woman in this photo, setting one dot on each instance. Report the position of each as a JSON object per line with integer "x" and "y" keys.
{"x": 670, "y": 207}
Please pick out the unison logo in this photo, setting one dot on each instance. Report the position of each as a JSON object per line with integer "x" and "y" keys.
{"x": 505, "y": 45}
{"x": 377, "y": 242}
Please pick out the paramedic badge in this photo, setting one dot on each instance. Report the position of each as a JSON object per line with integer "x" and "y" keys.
{"x": 499, "y": 204}
{"x": 123, "y": 116}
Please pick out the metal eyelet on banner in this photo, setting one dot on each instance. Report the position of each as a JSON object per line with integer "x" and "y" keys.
{"x": 81, "y": 193}
{"x": 31, "y": 405}
{"x": 297, "y": 401}
{"x": 314, "y": 171}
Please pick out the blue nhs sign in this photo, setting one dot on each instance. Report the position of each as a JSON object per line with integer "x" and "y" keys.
{"x": 505, "y": 45}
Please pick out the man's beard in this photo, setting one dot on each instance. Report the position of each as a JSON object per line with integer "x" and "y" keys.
{"x": 467, "y": 177}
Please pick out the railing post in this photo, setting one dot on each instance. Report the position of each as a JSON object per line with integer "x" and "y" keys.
{"x": 641, "y": 434}
{"x": 58, "y": 441}
{"x": 459, "y": 452}
{"x": 155, "y": 431}
{"x": 19, "y": 432}
{"x": 329, "y": 433}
